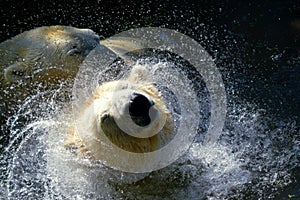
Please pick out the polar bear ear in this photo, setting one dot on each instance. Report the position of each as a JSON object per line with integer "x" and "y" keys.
{"x": 139, "y": 74}
{"x": 15, "y": 72}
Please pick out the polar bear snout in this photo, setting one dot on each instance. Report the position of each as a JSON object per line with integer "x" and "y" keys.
{"x": 139, "y": 107}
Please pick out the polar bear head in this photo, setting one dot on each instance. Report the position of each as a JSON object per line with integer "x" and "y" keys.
{"x": 129, "y": 113}
{"x": 46, "y": 53}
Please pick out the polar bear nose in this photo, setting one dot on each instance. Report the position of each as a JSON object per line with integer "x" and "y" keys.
{"x": 139, "y": 106}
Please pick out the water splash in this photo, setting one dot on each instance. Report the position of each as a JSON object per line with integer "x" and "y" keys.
{"x": 253, "y": 158}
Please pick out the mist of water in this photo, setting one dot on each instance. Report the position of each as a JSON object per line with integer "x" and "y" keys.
{"x": 253, "y": 157}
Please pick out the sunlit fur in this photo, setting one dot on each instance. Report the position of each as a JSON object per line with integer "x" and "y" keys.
{"x": 47, "y": 53}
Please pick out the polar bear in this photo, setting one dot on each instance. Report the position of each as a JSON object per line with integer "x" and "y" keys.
{"x": 52, "y": 53}
{"x": 46, "y": 53}
{"x": 38, "y": 60}
{"x": 99, "y": 121}
{"x": 90, "y": 149}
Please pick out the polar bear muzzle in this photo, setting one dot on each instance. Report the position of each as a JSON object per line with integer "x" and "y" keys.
{"x": 139, "y": 107}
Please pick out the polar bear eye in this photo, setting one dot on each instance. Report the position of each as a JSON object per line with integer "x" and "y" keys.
{"x": 74, "y": 49}
{"x": 105, "y": 118}
{"x": 139, "y": 106}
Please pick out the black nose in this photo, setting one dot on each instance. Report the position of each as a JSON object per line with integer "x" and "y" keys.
{"x": 139, "y": 106}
